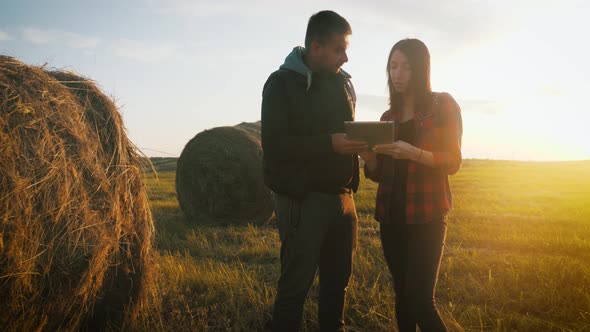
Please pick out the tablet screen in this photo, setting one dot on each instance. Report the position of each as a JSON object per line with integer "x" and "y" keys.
{"x": 372, "y": 132}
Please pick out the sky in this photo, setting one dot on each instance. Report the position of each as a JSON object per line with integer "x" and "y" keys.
{"x": 520, "y": 70}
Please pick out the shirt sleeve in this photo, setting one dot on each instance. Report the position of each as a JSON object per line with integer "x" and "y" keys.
{"x": 451, "y": 159}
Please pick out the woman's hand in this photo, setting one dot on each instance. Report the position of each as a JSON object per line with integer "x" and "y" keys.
{"x": 399, "y": 150}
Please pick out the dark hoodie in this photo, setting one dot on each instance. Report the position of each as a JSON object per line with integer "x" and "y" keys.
{"x": 300, "y": 110}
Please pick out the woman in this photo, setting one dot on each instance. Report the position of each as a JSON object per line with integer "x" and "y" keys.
{"x": 414, "y": 195}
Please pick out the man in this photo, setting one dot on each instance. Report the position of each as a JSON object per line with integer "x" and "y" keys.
{"x": 313, "y": 170}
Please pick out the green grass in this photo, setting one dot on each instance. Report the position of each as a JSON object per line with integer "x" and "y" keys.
{"x": 517, "y": 257}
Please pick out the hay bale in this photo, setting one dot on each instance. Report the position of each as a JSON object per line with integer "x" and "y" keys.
{"x": 253, "y": 128}
{"x": 219, "y": 176}
{"x": 76, "y": 228}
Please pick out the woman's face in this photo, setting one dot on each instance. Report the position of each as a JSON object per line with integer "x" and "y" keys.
{"x": 400, "y": 72}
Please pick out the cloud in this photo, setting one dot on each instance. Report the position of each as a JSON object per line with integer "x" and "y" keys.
{"x": 551, "y": 91}
{"x": 5, "y": 36}
{"x": 79, "y": 41}
{"x": 456, "y": 20}
{"x": 37, "y": 36}
{"x": 378, "y": 103}
{"x": 191, "y": 8}
{"x": 71, "y": 39}
{"x": 144, "y": 51}
{"x": 489, "y": 107}
{"x": 147, "y": 52}
{"x": 373, "y": 102}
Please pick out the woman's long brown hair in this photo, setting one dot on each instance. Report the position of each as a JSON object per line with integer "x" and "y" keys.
{"x": 419, "y": 59}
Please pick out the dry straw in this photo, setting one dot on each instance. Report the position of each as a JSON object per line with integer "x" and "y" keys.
{"x": 76, "y": 229}
{"x": 219, "y": 177}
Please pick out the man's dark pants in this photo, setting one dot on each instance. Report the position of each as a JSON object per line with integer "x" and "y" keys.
{"x": 317, "y": 231}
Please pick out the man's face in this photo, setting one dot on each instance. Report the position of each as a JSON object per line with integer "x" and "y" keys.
{"x": 331, "y": 54}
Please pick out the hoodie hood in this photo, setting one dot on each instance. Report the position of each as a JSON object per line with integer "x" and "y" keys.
{"x": 294, "y": 62}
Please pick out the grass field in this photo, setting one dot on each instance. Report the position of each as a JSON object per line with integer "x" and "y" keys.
{"x": 517, "y": 257}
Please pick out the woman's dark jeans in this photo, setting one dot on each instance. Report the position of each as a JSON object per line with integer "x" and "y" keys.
{"x": 413, "y": 254}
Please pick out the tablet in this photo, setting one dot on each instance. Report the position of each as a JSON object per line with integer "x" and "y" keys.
{"x": 372, "y": 132}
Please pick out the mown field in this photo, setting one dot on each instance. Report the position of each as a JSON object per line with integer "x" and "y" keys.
{"x": 517, "y": 257}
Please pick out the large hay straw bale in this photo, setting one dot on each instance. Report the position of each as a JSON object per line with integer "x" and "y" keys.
{"x": 75, "y": 224}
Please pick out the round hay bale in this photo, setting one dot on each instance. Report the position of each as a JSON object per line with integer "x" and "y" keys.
{"x": 253, "y": 128}
{"x": 75, "y": 223}
{"x": 219, "y": 177}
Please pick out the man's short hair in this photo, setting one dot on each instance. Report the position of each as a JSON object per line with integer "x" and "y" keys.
{"x": 323, "y": 24}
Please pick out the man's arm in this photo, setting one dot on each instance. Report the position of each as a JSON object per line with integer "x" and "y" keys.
{"x": 373, "y": 165}
{"x": 276, "y": 142}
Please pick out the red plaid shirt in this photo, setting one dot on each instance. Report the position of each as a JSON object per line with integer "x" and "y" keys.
{"x": 428, "y": 192}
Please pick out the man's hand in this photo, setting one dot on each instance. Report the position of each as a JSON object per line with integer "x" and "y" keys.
{"x": 368, "y": 156}
{"x": 342, "y": 145}
{"x": 370, "y": 159}
{"x": 399, "y": 150}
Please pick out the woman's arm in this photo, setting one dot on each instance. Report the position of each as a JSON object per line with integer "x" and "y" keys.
{"x": 423, "y": 157}
{"x": 404, "y": 150}
{"x": 448, "y": 160}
